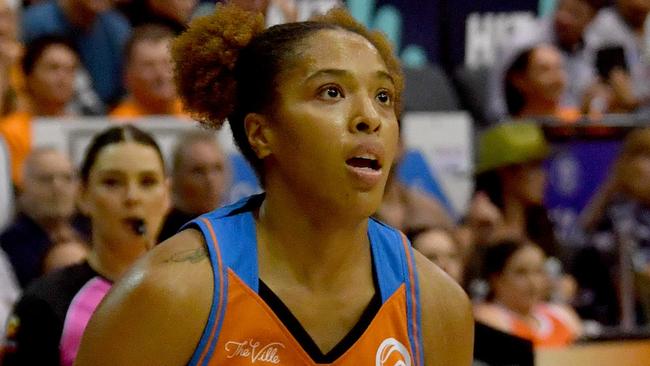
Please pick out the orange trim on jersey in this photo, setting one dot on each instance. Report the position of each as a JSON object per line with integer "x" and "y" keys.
{"x": 413, "y": 299}
{"x": 213, "y": 331}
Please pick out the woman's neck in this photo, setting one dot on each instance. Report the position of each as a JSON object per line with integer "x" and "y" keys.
{"x": 514, "y": 215}
{"x": 313, "y": 246}
{"x": 154, "y": 107}
{"x": 44, "y": 109}
{"x": 539, "y": 108}
{"x": 524, "y": 313}
{"x": 112, "y": 261}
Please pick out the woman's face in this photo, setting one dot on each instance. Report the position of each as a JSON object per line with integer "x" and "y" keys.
{"x": 126, "y": 183}
{"x": 570, "y": 19}
{"x": 545, "y": 77}
{"x": 439, "y": 247}
{"x": 527, "y": 182}
{"x": 52, "y": 79}
{"x": 521, "y": 284}
{"x": 179, "y": 10}
{"x": 334, "y": 133}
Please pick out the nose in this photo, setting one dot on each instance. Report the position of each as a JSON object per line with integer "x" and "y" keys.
{"x": 366, "y": 118}
{"x": 132, "y": 194}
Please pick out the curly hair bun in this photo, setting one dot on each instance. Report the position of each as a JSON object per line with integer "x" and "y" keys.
{"x": 205, "y": 56}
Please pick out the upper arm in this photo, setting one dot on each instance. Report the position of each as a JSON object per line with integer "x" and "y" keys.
{"x": 447, "y": 322}
{"x": 156, "y": 314}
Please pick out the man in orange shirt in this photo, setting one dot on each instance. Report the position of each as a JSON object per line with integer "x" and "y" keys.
{"x": 10, "y": 51}
{"x": 49, "y": 65}
{"x": 148, "y": 75}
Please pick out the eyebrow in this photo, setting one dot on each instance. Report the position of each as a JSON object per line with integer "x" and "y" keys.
{"x": 121, "y": 172}
{"x": 344, "y": 73}
{"x": 385, "y": 75}
{"x": 328, "y": 72}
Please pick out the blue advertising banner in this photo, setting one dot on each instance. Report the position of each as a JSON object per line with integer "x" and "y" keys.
{"x": 575, "y": 172}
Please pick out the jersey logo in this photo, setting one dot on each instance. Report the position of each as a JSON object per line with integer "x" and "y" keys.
{"x": 392, "y": 353}
{"x": 251, "y": 349}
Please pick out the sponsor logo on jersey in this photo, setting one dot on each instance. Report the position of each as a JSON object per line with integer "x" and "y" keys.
{"x": 255, "y": 351}
{"x": 392, "y": 353}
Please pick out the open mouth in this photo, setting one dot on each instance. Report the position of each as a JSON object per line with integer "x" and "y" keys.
{"x": 364, "y": 162}
{"x": 137, "y": 225}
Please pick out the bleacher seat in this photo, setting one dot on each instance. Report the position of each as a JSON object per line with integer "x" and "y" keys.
{"x": 429, "y": 89}
{"x": 6, "y": 187}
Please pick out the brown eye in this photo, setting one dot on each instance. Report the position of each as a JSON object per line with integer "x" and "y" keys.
{"x": 110, "y": 182}
{"x": 149, "y": 181}
{"x": 331, "y": 92}
{"x": 384, "y": 97}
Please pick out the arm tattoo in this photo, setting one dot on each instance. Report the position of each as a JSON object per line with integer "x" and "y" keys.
{"x": 192, "y": 256}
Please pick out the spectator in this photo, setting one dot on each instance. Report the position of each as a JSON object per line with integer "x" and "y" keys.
{"x": 10, "y": 51}
{"x": 626, "y": 88}
{"x": 510, "y": 187}
{"x": 49, "y": 65}
{"x": 510, "y": 173}
{"x": 46, "y": 205}
{"x": 125, "y": 193}
{"x": 172, "y": 14}
{"x": 440, "y": 245}
{"x": 149, "y": 75}
{"x": 515, "y": 271}
{"x": 98, "y": 33}
{"x": 200, "y": 179}
{"x": 621, "y": 207}
{"x": 535, "y": 82}
{"x": 565, "y": 29}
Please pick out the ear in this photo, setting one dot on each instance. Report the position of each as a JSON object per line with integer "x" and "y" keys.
{"x": 258, "y": 134}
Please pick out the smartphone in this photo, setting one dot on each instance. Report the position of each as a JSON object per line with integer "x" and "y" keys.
{"x": 609, "y": 58}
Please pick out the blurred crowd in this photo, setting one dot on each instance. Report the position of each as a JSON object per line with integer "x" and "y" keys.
{"x": 67, "y": 58}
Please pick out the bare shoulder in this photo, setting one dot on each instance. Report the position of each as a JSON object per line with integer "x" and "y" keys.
{"x": 157, "y": 312}
{"x": 448, "y": 325}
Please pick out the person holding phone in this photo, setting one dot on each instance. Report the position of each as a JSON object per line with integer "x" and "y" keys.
{"x": 618, "y": 35}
